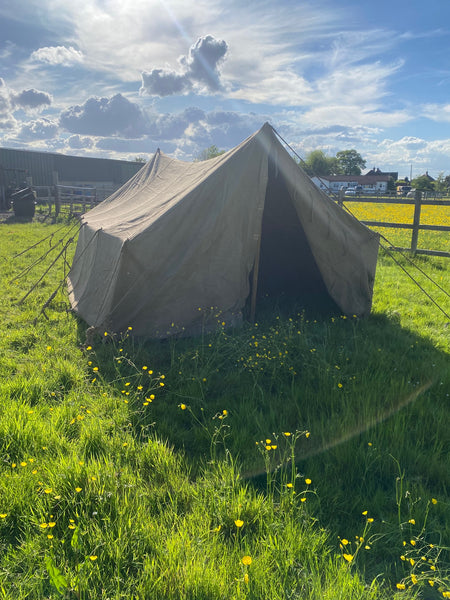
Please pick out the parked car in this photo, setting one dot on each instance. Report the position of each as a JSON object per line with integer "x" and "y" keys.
{"x": 402, "y": 190}
{"x": 411, "y": 193}
{"x": 354, "y": 191}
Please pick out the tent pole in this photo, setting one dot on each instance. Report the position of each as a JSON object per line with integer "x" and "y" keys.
{"x": 255, "y": 280}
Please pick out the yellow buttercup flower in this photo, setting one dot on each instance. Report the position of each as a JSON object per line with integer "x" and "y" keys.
{"x": 239, "y": 523}
{"x": 308, "y": 481}
{"x": 246, "y": 560}
{"x": 348, "y": 557}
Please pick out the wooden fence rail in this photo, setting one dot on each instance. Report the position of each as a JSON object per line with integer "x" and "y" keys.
{"x": 70, "y": 200}
{"x": 415, "y": 226}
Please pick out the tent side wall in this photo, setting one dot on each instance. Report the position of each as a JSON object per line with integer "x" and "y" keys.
{"x": 91, "y": 279}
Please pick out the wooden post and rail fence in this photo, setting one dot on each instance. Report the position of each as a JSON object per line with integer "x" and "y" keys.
{"x": 418, "y": 201}
{"x": 73, "y": 201}
{"x": 68, "y": 200}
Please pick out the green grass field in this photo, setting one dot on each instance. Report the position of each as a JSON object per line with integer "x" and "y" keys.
{"x": 304, "y": 456}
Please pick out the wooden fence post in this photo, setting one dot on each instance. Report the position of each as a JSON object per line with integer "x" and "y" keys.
{"x": 57, "y": 195}
{"x": 416, "y": 220}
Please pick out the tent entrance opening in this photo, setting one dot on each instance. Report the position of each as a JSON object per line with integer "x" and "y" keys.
{"x": 287, "y": 269}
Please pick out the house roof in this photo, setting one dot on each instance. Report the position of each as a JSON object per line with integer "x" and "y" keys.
{"x": 360, "y": 179}
{"x": 377, "y": 171}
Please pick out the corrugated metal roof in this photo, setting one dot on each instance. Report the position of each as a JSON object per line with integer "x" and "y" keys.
{"x": 41, "y": 165}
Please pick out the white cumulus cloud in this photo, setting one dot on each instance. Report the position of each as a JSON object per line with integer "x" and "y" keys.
{"x": 58, "y": 55}
{"x": 200, "y": 70}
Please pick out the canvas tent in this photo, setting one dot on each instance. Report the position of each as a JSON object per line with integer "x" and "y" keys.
{"x": 181, "y": 237}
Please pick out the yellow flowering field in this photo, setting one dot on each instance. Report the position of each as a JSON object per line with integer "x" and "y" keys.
{"x": 404, "y": 213}
{"x": 399, "y": 213}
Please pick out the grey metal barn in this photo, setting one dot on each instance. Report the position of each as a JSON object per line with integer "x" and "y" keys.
{"x": 47, "y": 169}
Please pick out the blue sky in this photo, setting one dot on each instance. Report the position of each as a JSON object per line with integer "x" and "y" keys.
{"x": 120, "y": 78}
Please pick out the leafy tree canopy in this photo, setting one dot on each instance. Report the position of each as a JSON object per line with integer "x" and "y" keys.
{"x": 346, "y": 162}
{"x": 441, "y": 184}
{"x": 208, "y": 153}
{"x": 318, "y": 163}
{"x": 423, "y": 184}
{"x": 350, "y": 162}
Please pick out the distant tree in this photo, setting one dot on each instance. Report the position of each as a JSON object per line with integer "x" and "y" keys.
{"x": 210, "y": 152}
{"x": 139, "y": 159}
{"x": 447, "y": 182}
{"x": 423, "y": 184}
{"x": 391, "y": 184}
{"x": 441, "y": 185}
{"x": 350, "y": 162}
{"x": 318, "y": 163}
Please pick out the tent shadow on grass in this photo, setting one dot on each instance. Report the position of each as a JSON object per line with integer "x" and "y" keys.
{"x": 356, "y": 429}
{"x": 378, "y": 363}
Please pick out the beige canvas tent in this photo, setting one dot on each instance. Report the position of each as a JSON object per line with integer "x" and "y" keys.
{"x": 179, "y": 237}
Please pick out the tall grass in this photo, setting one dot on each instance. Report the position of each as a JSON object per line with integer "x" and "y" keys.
{"x": 303, "y": 456}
